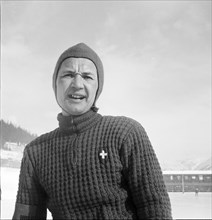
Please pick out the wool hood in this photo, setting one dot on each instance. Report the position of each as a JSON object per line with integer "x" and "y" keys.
{"x": 81, "y": 50}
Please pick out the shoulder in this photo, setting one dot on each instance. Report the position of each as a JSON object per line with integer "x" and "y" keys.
{"x": 38, "y": 149}
{"x": 122, "y": 120}
{"x": 42, "y": 139}
{"x": 122, "y": 123}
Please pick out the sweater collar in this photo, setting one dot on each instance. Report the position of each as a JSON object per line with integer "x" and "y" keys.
{"x": 79, "y": 123}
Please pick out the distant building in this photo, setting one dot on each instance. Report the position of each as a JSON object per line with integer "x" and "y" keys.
{"x": 188, "y": 181}
{"x": 13, "y": 146}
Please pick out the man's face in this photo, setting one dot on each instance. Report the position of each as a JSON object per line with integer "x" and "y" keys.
{"x": 77, "y": 84}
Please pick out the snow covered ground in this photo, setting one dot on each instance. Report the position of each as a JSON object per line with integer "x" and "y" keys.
{"x": 9, "y": 186}
{"x": 184, "y": 206}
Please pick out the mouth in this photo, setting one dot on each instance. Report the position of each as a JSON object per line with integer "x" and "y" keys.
{"x": 76, "y": 97}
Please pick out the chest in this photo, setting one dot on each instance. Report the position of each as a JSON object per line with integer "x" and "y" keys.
{"x": 82, "y": 165}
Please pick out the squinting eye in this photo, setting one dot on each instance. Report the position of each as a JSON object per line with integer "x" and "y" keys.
{"x": 87, "y": 77}
{"x": 68, "y": 75}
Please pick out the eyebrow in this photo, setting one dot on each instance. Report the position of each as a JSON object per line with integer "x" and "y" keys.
{"x": 83, "y": 73}
{"x": 87, "y": 73}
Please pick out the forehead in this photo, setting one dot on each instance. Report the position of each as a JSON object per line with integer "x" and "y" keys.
{"x": 79, "y": 64}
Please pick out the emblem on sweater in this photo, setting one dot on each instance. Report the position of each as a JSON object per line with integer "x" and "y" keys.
{"x": 103, "y": 154}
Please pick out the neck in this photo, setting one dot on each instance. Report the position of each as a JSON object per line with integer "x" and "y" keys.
{"x": 65, "y": 113}
{"x": 77, "y": 123}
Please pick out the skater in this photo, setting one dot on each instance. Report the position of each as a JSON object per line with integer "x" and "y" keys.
{"x": 196, "y": 191}
{"x": 91, "y": 166}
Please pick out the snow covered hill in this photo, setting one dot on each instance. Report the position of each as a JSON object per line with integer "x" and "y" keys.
{"x": 13, "y": 159}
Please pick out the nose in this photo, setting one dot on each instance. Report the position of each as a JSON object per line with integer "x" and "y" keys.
{"x": 77, "y": 82}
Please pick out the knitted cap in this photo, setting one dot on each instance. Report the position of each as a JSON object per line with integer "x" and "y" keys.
{"x": 81, "y": 50}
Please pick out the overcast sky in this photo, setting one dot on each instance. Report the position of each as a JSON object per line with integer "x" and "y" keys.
{"x": 156, "y": 56}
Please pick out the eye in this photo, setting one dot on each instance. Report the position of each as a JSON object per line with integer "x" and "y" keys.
{"x": 87, "y": 77}
{"x": 68, "y": 74}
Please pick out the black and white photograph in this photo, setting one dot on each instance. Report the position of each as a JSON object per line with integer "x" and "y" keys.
{"x": 105, "y": 109}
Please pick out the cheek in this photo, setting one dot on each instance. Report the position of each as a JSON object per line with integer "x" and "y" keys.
{"x": 94, "y": 90}
{"x": 62, "y": 86}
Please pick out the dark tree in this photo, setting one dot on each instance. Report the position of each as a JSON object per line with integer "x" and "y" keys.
{"x": 12, "y": 133}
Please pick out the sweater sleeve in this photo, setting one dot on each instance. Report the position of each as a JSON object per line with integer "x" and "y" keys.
{"x": 31, "y": 198}
{"x": 144, "y": 176}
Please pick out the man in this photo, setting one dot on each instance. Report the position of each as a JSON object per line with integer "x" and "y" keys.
{"x": 91, "y": 166}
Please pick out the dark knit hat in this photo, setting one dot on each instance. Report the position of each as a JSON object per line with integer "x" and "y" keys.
{"x": 81, "y": 50}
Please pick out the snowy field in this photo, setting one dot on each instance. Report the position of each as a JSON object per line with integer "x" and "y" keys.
{"x": 184, "y": 206}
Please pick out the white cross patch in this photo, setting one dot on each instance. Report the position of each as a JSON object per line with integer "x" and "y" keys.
{"x": 103, "y": 154}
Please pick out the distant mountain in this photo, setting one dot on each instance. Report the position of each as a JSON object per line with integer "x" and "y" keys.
{"x": 11, "y": 133}
{"x": 204, "y": 165}
{"x": 189, "y": 164}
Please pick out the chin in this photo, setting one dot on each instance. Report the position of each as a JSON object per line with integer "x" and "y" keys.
{"x": 77, "y": 111}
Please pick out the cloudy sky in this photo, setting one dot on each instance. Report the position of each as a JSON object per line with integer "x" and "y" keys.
{"x": 156, "y": 56}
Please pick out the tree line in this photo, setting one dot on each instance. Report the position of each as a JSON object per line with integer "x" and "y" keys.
{"x": 11, "y": 133}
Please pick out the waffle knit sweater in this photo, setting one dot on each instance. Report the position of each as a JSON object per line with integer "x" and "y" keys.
{"x": 66, "y": 172}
